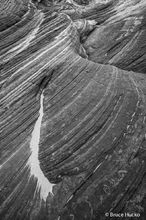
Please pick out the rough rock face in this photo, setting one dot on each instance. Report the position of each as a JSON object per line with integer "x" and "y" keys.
{"x": 72, "y": 109}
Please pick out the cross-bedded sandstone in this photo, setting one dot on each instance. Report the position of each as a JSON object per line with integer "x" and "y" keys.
{"x": 77, "y": 71}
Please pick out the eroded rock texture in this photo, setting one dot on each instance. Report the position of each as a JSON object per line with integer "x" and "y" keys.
{"x": 72, "y": 109}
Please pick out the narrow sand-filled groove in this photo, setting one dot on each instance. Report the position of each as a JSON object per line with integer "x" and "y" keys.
{"x": 42, "y": 182}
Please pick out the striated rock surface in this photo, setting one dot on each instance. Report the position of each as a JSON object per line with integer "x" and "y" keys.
{"x": 72, "y": 109}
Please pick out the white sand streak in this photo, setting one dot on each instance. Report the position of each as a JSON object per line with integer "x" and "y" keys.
{"x": 43, "y": 184}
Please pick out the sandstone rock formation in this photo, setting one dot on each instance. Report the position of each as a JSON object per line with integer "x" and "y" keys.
{"x": 72, "y": 109}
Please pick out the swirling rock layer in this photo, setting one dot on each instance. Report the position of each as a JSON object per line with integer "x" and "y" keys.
{"x": 72, "y": 109}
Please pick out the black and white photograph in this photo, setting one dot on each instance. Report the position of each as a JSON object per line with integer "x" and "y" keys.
{"x": 72, "y": 109}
